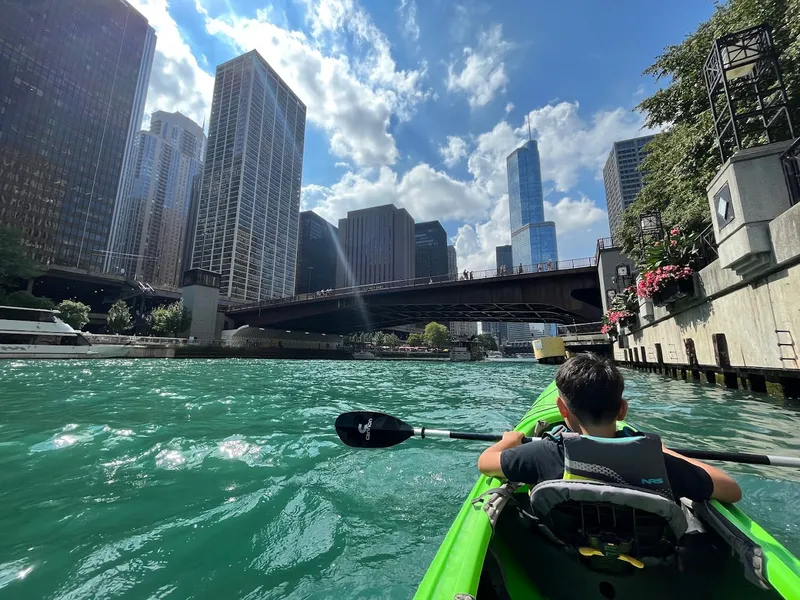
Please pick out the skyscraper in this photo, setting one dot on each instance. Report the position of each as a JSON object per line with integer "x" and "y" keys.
{"x": 249, "y": 210}
{"x": 73, "y": 82}
{"x": 376, "y": 245}
{"x": 532, "y": 238}
{"x": 622, "y": 177}
{"x": 503, "y": 257}
{"x": 452, "y": 262}
{"x": 316, "y": 254}
{"x": 191, "y": 221}
{"x": 430, "y": 242}
{"x": 151, "y": 224}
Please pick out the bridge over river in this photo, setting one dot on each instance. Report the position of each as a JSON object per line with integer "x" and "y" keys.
{"x": 568, "y": 292}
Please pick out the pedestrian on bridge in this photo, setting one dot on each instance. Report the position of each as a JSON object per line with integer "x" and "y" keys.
{"x": 521, "y": 270}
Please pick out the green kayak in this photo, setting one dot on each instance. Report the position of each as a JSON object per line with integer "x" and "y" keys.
{"x": 496, "y": 550}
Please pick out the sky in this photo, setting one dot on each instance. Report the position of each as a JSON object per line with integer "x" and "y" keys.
{"x": 419, "y": 102}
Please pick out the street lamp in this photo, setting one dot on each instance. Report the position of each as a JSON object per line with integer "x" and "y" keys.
{"x": 650, "y": 226}
{"x": 749, "y": 103}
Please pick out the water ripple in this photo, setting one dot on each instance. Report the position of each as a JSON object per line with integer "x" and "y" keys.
{"x": 225, "y": 479}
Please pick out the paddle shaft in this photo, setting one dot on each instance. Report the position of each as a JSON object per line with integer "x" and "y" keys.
{"x": 738, "y": 457}
{"x": 424, "y": 432}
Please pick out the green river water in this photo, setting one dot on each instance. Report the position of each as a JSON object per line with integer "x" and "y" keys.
{"x": 225, "y": 479}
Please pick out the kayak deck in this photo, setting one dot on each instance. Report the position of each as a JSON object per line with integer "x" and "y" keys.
{"x": 514, "y": 561}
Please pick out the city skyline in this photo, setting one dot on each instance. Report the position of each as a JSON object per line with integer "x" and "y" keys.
{"x": 404, "y": 114}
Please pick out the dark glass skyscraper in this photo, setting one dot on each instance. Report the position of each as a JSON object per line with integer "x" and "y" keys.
{"x": 430, "y": 244}
{"x": 316, "y": 254}
{"x": 532, "y": 238}
{"x": 73, "y": 81}
{"x": 504, "y": 257}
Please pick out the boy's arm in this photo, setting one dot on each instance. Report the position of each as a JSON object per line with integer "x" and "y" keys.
{"x": 725, "y": 487}
{"x": 489, "y": 461}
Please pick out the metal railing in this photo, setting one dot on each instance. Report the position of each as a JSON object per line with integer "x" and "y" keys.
{"x": 791, "y": 171}
{"x": 562, "y": 265}
{"x": 705, "y": 246}
{"x": 579, "y": 329}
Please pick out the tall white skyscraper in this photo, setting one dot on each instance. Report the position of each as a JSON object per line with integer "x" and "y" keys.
{"x": 249, "y": 209}
{"x": 152, "y": 222}
{"x": 452, "y": 262}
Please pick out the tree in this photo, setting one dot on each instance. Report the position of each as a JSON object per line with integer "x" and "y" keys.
{"x": 73, "y": 313}
{"x": 26, "y": 300}
{"x": 15, "y": 264}
{"x": 119, "y": 317}
{"x": 379, "y": 339}
{"x": 172, "y": 319}
{"x": 487, "y": 341}
{"x": 415, "y": 339}
{"x": 391, "y": 340}
{"x": 436, "y": 335}
{"x": 682, "y": 160}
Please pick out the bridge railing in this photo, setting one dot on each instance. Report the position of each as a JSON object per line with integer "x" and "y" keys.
{"x": 562, "y": 265}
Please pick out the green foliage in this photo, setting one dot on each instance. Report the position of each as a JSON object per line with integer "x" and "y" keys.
{"x": 73, "y": 313}
{"x": 487, "y": 341}
{"x": 15, "y": 264}
{"x": 26, "y": 300}
{"x": 683, "y": 159}
{"x": 378, "y": 339}
{"x": 391, "y": 340}
{"x": 119, "y": 317}
{"x": 437, "y": 335}
{"x": 416, "y": 340}
{"x": 171, "y": 320}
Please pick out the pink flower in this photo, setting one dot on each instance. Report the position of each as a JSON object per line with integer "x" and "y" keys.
{"x": 674, "y": 231}
{"x": 673, "y": 243}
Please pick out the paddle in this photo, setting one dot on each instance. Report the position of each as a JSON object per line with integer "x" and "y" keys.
{"x": 367, "y": 429}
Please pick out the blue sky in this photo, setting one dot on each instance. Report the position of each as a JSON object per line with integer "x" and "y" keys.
{"x": 418, "y": 102}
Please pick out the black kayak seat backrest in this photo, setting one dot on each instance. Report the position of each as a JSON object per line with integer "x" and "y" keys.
{"x": 609, "y": 518}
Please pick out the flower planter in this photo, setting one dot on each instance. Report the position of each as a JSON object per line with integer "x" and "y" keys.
{"x": 673, "y": 291}
{"x": 629, "y": 321}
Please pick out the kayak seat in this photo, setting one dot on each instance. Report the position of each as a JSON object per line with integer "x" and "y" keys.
{"x": 609, "y": 527}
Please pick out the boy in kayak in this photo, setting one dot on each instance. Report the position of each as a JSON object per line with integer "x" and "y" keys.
{"x": 590, "y": 401}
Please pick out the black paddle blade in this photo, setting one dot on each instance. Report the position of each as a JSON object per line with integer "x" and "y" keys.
{"x": 364, "y": 429}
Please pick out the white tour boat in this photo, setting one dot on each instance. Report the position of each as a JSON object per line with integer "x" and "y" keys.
{"x": 39, "y": 333}
{"x": 364, "y": 355}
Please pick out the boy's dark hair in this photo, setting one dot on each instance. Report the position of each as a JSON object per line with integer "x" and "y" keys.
{"x": 592, "y": 388}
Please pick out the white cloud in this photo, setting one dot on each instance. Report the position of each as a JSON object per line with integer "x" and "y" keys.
{"x": 568, "y": 144}
{"x": 454, "y": 151}
{"x": 351, "y": 99}
{"x": 483, "y": 72}
{"x": 177, "y": 82}
{"x": 573, "y": 215}
{"x": 408, "y": 11}
{"x": 425, "y": 192}
{"x": 475, "y": 242}
{"x": 509, "y": 107}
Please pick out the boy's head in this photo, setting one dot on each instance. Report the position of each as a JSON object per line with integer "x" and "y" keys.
{"x": 590, "y": 391}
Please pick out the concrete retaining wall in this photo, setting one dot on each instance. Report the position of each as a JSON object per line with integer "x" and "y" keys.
{"x": 759, "y": 318}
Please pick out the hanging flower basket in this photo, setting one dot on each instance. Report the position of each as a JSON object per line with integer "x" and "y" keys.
{"x": 629, "y": 321}
{"x": 673, "y": 291}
